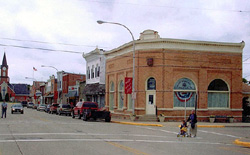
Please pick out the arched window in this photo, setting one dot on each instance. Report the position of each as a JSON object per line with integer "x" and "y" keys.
{"x": 92, "y": 72}
{"x": 111, "y": 96}
{"x": 184, "y": 91}
{"x": 88, "y": 73}
{"x": 120, "y": 94}
{"x": 151, "y": 84}
{"x": 218, "y": 94}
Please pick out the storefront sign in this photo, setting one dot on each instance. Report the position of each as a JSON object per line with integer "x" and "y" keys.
{"x": 128, "y": 85}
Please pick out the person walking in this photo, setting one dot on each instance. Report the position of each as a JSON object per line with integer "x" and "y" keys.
{"x": 192, "y": 128}
{"x": 4, "y": 109}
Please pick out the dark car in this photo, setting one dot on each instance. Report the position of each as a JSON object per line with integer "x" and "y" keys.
{"x": 30, "y": 105}
{"x": 80, "y": 106}
{"x": 17, "y": 108}
{"x": 53, "y": 108}
{"x": 24, "y": 103}
{"x": 64, "y": 109}
{"x": 47, "y": 108}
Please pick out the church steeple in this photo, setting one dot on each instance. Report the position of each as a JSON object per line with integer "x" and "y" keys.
{"x": 4, "y": 70}
{"x": 4, "y": 62}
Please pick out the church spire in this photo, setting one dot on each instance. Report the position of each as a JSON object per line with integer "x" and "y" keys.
{"x": 4, "y": 63}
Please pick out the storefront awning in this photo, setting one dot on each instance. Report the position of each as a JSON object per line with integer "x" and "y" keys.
{"x": 94, "y": 89}
{"x": 71, "y": 94}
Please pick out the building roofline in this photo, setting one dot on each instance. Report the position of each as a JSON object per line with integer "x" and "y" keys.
{"x": 180, "y": 44}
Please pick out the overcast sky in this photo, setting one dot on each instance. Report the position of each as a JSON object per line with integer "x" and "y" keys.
{"x": 66, "y": 26}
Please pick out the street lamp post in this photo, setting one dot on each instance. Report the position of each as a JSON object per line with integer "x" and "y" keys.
{"x": 58, "y": 96}
{"x": 50, "y": 67}
{"x": 133, "y": 78}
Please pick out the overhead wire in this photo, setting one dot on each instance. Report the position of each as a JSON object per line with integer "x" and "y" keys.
{"x": 169, "y": 59}
{"x": 166, "y": 6}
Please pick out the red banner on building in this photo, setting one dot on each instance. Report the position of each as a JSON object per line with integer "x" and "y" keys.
{"x": 128, "y": 85}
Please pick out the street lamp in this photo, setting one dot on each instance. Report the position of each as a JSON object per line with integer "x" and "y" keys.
{"x": 31, "y": 78}
{"x": 50, "y": 67}
{"x": 133, "y": 80}
{"x": 57, "y": 77}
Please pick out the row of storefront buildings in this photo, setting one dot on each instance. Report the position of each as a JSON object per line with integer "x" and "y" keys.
{"x": 171, "y": 78}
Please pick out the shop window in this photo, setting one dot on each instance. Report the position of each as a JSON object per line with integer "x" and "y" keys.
{"x": 111, "y": 96}
{"x": 130, "y": 101}
{"x": 218, "y": 94}
{"x": 120, "y": 94}
{"x": 184, "y": 92}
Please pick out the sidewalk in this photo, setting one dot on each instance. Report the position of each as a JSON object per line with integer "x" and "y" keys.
{"x": 176, "y": 124}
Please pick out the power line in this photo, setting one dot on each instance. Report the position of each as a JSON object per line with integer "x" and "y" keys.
{"x": 43, "y": 49}
{"x": 165, "y": 6}
{"x": 122, "y": 56}
{"x": 44, "y": 42}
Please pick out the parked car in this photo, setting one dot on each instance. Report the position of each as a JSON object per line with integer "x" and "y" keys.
{"x": 35, "y": 106}
{"x": 64, "y": 109}
{"x": 90, "y": 110}
{"x": 24, "y": 103}
{"x": 47, "y": 108}
{"x": 17, "y": 108}
{"x": 41, "y": 107}
{"x": 53, "y": 108}
{"x": 30, "y": 105}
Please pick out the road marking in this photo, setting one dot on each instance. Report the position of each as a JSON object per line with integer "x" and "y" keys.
{"x": 110, "y": 140}
{"x": 159, "y": 130}
{"x": 220, "y": 134}
{"x": 82, "y": 134}
{"x": 127, "y": 148}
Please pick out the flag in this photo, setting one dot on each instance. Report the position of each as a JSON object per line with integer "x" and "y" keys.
{"x": 34, "y": 69}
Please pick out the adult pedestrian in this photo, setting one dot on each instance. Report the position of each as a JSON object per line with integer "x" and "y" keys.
{"x": 192, "y": 128}
{"x": 4, "y": 109}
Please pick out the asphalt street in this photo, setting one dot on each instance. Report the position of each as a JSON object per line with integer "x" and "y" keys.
{"x": 39, "y": 133}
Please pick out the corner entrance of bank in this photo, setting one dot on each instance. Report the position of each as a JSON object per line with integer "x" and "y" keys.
{"x": 151, "y": 96}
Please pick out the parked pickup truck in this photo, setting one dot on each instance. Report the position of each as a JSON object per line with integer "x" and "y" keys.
{"x": 89, "y": 110}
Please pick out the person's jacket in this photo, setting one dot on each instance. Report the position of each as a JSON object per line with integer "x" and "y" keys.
{"x": 194, "y": 119}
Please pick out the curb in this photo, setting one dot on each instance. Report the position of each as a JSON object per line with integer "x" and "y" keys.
{"x": 245, "y": 144}
{"x": 142, "y": 124}
{"x": 209, "y": 126}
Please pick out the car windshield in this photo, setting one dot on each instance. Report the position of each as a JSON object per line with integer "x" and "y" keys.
{"x": 89, "y": 104}
{"x": 42, "y": 105}
{"x": 66, "y": 106}
{"x": 17, "y": 105}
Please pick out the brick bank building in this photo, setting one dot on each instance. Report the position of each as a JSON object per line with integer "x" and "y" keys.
{"x": 207, "y": 76}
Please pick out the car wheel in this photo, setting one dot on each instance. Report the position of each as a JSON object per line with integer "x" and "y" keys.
{"x": 85, "y": 118}
{"x": 11, "y": 112}
{"x": 73, "y": 116}
{"x": 107, "y": 119}
{"x": 79, "y": 115}
{"x": 21, "y": 112}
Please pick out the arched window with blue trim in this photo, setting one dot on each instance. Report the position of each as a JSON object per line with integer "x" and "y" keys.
{"x": 184, "y": 91}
